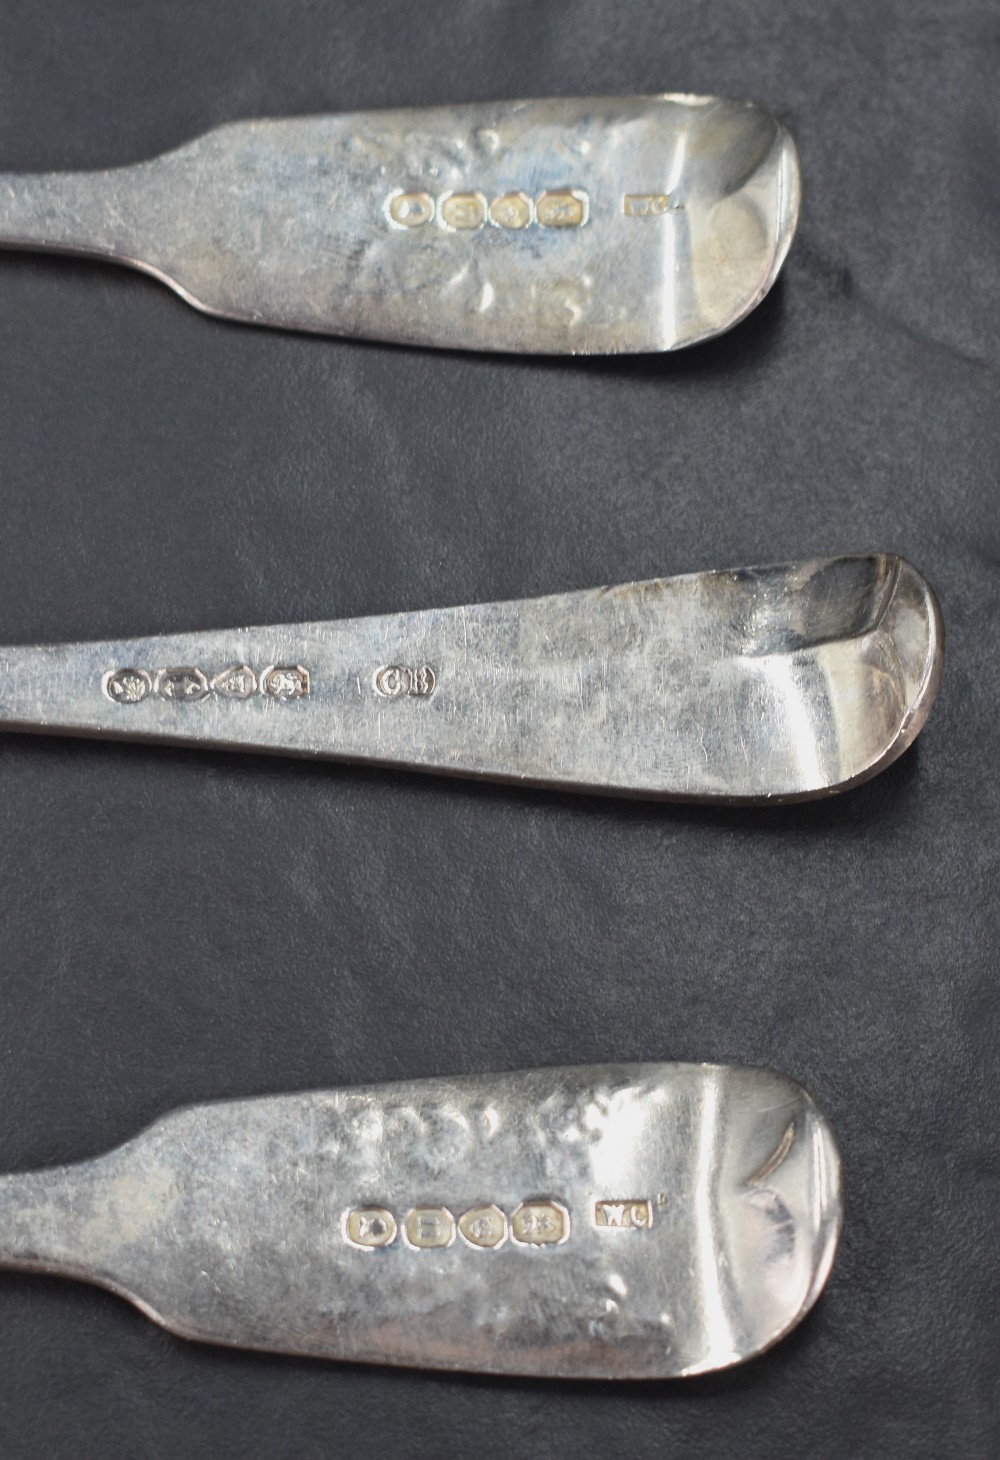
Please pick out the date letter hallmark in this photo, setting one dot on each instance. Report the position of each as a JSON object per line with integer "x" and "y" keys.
{"x": 540, "y": 1223}
{"x": 188, "y": 684}
{"x": 181, "y": 684}
{"x": 393, "y": 681}
{"x": 645, "y": 205}
{"x": 623, "y": 1216}
{"x": 562, "y": 208}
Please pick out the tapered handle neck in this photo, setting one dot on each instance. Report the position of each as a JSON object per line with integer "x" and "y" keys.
{"x": 40, "y": 1227}
{"x": 86, "y": 213}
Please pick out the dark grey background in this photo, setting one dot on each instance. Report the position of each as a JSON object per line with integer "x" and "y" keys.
{"x": 179, "y": 926}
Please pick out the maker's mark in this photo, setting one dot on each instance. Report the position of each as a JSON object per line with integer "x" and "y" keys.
{"x": 392, "y": 681}
{"x": 624, "y": 1215}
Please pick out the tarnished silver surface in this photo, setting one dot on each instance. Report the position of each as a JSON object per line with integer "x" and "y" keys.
{"x": 564, "y": 226}
{"x": 611, "y": 1221}
{"x": 746, "y": 685}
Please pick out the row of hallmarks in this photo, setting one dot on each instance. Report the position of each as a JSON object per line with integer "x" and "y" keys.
{"x": 540, "y": 1223}
{"x": 188, "y": 684}
{"x": 531, "y": 1224}
{"x": 555, "y": 208}
{"x": 464, "y": 212}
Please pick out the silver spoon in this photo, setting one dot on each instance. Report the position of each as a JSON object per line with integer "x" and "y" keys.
{"x": 754, "y": 684}
{"x": 568, "y": 226}
{"x": 611, "y": 1221}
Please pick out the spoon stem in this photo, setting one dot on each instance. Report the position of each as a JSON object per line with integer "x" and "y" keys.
{"x": 67, "y": 212}
{"x": 38, "y": 1228}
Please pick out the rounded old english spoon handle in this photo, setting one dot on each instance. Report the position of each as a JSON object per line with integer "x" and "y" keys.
{"x": 611, "y": 1221}
{"x": 749, "y": 685}
{"x": 604, "y": 225}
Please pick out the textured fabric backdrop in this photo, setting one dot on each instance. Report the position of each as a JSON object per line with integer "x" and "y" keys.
{"x": 179, "y": 926}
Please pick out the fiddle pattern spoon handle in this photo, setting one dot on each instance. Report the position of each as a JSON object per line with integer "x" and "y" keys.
{"x": 604, "y": 225}
{"x": 611, "y": 1221}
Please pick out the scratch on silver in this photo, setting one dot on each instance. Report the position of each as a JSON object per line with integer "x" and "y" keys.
{"x": 775, "y": 1159}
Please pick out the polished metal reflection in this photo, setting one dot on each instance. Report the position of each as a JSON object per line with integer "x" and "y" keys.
{"x": 611, "y": 1221}
{"x": 563, "y": 226}
{"x": 753, "y": 684}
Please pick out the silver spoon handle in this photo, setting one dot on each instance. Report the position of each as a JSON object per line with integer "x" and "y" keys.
{"x": 561, "y": 226}
{"x": 613, "y": 1221}
{"x": 38, "y": 1231}
{"x": 96, "y": 213}
{"x": 746, "y": 685}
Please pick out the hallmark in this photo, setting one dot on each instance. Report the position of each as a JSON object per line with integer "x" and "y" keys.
{"x": 511, "y": 210}
{"x": 237, "y": 683}
{"x": 463, "y": 210}
{"x": 181, "y": 684}
{"x": 429, "y": 1227}
{"x": 562, "y": 208}
{"x": 370, "y": 1227}
{"x": 411, "y": 210}
{"x": 285, "y": 682}
{"x": 645, "y": 205}
{"x": 483, "y": 1226}
{"x": 532, "y": 1224}
{"x": 127, "y": 686}
{"x": 540, "y": 1223}
{"x": 624, "y": 1215}
{"x": 188, "y": 684}
{"x": 470, "y": 211}
{"x": 395, "y": 680}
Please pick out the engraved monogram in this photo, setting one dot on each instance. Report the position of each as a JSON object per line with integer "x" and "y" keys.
{"x": 189, "y": 684}
{"x": 467, "y": 212}
{"x": 532, "y": 1224}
